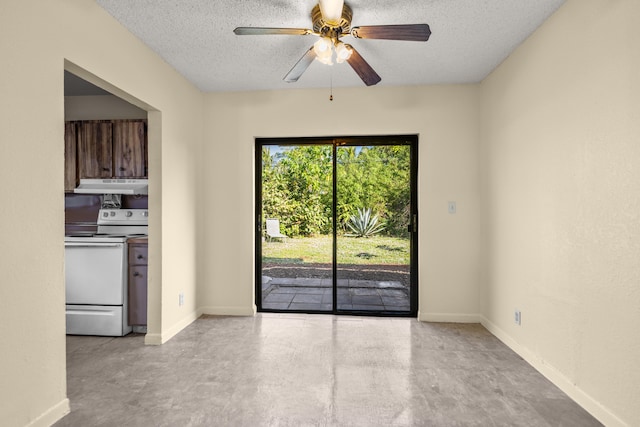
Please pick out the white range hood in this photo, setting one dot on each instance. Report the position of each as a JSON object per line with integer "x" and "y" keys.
{"x": 112, "y": 186}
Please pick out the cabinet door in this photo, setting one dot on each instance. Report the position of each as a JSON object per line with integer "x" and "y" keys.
{"x": 70, "y": 165}
{"x": 129, "y": 149}
{"x": 137, "y": 295}
{"x": 94, "y": 150}
{"x": 138, "y": 254}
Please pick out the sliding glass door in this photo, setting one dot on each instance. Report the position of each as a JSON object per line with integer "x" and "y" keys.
{"x": 373, "y": 202}
{"x": 294, "y": 227}
{"x": 335, "y": 225}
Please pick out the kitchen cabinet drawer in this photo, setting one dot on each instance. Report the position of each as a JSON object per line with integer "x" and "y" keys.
{"x": 138, "y": 255}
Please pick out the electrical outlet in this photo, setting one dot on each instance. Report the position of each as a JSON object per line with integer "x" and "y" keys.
{"x": 517, "y": 317}
{"x": 181, "y": 299}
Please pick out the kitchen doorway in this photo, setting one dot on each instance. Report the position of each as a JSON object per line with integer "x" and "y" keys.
{"x": 336, "y": 225}
{"x": 106, "y": 140}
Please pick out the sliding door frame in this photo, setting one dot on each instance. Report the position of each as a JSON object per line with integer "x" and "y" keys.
{"x": 407, "y": 140}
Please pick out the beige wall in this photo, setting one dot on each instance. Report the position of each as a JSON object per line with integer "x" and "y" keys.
{"x": 561, "y": 186}
{"x": 541, "y": 160}
{"x": 446, "y": 118}
{"x": 36, "y": 37}
{"x": 100, "y": 107}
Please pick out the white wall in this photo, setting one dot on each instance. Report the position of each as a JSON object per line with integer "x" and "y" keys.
{"x": 447, "y": 121}
{"x": 561, "y": 207}
{"x": 38, "y": 39}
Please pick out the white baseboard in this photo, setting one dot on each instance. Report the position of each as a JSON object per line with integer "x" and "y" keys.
{"x": 51, "y": 415}
{"x": 152, "y": 339}
{"x": 166, "y": 335}
{"x": 248, "y": 310}
{"x": 591, "y": 405}
{"x": 449, "y": 317}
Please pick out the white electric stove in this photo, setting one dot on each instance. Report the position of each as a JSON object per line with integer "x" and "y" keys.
{"x": 96, "y": 272}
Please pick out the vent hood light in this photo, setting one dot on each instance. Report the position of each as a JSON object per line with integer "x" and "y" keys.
{"x": 113, "y": 186}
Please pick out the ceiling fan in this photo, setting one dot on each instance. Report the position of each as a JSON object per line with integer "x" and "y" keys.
{"x": 331, "y": 21}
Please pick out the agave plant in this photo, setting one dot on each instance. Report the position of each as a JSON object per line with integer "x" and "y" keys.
{"x": 363, "y": 224}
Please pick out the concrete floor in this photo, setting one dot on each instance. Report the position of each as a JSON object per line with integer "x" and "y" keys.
{"x": 311, "y": 370}
{"x": 310, "y": 294}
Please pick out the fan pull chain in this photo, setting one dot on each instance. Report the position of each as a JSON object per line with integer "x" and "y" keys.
{"x": 331, "y": 84}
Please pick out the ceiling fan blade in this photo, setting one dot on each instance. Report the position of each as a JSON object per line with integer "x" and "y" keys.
{"x": 258, "y": 31}
{"x": 362, "y": 68}
{"x": 301, "y": 66}
{"x": 410, "y": 32}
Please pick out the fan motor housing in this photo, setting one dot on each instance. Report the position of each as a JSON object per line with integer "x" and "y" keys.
{"x": 323, "y": 27}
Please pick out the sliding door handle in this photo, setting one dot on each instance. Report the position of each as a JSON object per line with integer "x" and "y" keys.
{"x": 413, "y": 224}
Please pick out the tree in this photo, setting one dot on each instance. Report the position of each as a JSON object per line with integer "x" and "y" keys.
{"x": 375, "y": 177}
{"x": 300, "y": 181}
{"x": 297, "y": 186}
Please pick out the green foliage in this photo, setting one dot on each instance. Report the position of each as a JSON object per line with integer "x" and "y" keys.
{"x": 296, "y": 189}
{"x": 297, "y": 186}
{"x": 364, "y": 224}
{"x": 377, "y": 176}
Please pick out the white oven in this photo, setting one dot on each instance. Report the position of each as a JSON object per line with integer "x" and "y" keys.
{"x": 96, "y": 274}
{"x": 95, "y": 280}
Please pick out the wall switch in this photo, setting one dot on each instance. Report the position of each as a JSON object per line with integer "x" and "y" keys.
{"x": 517, "y": 318}
{"x": 181, "y": 299}
{"x": 452, "y": 207}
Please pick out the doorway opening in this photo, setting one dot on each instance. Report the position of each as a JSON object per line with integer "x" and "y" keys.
{"x": 106, "y": 140}
{"x": 336, "y": 225}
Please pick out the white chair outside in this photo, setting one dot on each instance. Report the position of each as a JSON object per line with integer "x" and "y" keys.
{"x": 273, "y": 229}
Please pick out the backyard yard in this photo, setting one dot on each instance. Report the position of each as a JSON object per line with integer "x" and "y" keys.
{"x": 379, "y": 258}
{"x": 351, "y": 250}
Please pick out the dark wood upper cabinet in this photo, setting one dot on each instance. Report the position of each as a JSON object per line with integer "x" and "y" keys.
{"x": 104, "y": 149}
{"x": 95, "y": 149}
{"x": 70, "y": 165}
{"x": 129, "y": 146}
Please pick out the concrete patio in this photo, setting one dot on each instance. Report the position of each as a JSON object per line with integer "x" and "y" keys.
{"x": 316, "y": 294}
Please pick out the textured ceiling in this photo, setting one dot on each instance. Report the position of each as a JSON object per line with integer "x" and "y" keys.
{"x": 469, "y": 39}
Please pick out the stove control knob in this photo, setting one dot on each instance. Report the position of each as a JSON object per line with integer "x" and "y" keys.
{"x": 128, "y": 213}
{"x": 112, "y": 213}
{"x": 105, "y": 214}
{"x": 145, "y": 213}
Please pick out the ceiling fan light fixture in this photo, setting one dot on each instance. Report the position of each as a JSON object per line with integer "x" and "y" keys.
{"x": 323, "y": 51}
{"x": 343, "y": 52}
{"x": 332, "y": 20}
{"x": 332, "y": 10}
{"x": 326, "y": 60}
{"x": 322, "y": 46}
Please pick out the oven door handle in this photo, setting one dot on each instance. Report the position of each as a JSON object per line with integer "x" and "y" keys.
{"x": 93, "y": 245}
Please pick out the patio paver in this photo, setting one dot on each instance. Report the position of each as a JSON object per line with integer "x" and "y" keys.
{"x": 316, "y": 294}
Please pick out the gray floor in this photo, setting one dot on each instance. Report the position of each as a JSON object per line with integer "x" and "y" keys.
{"x": 310, "y": 294}
{"x": 311, "y": 370}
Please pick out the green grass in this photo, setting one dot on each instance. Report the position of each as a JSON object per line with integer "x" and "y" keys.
{"x": 351, "y": 250}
